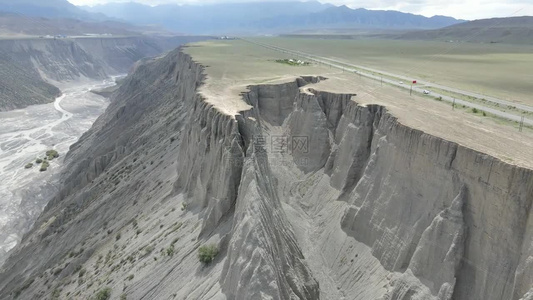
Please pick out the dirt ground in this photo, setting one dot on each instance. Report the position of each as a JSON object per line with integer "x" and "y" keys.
{"x": 234, "y": 65}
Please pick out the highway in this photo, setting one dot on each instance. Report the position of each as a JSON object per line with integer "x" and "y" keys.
{"x": 418, "y": 88}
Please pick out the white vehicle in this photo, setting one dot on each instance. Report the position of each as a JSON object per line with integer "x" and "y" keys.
{"x": 426, "y": 92}
{"x": 401, "y": 82}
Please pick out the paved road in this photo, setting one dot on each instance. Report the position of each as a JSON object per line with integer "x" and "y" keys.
{"x": 416, "y": 89}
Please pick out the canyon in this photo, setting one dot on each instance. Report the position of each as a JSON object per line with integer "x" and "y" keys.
{"x": 33, "y": 68}
{"x": 64, "y": 71}
{"x": 308, "y": 188}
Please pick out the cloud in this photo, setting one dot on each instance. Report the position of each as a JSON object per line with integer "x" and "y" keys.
{"x": 464, "y": 9}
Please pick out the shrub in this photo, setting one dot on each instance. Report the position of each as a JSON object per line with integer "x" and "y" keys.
{"x": 474, "y": 110}
{"x": 123, "y": 297}
{"x": 103, "y": 294}
{"x": 170, "y": 251}
{"x": 28, "y": 166}
{"x": 207, "y": 253}
{"x": 51, "y": 154}
{"x": 484, "y": 114}
{"x": 117, "y": 237}
{"x": 38, "y": 160}
{"x": 130, "y": 277}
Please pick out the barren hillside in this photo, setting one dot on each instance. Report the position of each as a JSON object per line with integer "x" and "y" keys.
{"x": 305, "y": 182}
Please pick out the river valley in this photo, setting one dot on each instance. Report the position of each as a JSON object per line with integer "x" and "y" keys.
{"x": 25, "y": 135}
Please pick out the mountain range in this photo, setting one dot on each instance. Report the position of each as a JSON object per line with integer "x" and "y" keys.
{"x": 252, "y": 18}
{"x": 48, "y": 9}
{"x": 265, "y": 17}
{"x": 513, "y": 30}
{"x": 12, "y": 24}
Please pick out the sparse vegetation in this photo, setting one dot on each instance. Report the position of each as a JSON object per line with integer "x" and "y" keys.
{"x": 170, "y": 250}
{"x": 293, "y": 62}
{"x": 28, "y": 166}
{"x": 51, "y": 154}
{"x": 130, "y": 277}
{"x": 207, "y": 253}
{"x": 103, "y": 294}
{"x": 38, "y": 160}
{"x": 56, "y": 293}
{"x": 44, "y": 166}
{"x": 474, "y": 110}
{"x": 117, "y": 237}
{"x": 183, "y": 206}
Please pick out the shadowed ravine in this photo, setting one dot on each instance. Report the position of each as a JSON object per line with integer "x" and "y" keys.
{"x": 308, "y": 195}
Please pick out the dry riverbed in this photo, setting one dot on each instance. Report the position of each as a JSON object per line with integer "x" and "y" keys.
{"x": 25, "y": 135}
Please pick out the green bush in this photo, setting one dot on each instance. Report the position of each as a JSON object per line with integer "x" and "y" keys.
{"x": 51, "y": 154}
{"x": 170, "y": 251}
{"x": 28, "y": 166}
{"x": 474, "y": 110}
{"x": 207, "y": 253}
{"x": 38, "y": 160}
{"x": 103, "y": 294}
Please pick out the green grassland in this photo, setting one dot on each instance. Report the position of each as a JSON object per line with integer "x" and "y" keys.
{"x": 224, "y": 61}
{"x": 503, "y": 71}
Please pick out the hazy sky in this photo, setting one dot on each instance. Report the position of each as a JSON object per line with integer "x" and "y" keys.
{"x": 465, "y": 9}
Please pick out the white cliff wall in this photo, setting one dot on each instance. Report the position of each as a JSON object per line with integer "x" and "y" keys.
{"x": 452, "y": 217}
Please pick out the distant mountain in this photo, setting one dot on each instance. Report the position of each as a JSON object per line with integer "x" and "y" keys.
{"x": 514, "y": 30}
{"x": 12, "y": 24}
{"x": 345, "y": 17}
{"x": 206, "y": 19}
{"x": 265, "y": 17}
{"x": 48, "y": 9}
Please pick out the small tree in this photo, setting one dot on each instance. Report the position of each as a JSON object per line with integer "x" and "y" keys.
{"x": 207, "y": 253}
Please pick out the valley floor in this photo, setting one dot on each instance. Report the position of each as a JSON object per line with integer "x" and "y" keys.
{"x": 25, "y": 135}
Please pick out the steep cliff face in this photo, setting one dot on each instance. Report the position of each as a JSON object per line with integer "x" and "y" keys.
{"x": 31, "y": 67}
{"x": 307, "y": 195}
